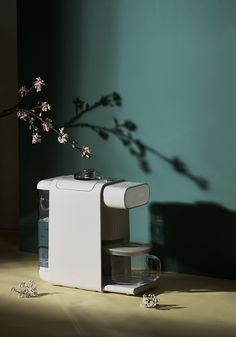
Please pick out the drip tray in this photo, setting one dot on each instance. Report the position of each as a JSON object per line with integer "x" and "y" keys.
{"x": 129, "y": 289}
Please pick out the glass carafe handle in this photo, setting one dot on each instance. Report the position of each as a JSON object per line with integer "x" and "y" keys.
{"x": 153, "y": 266}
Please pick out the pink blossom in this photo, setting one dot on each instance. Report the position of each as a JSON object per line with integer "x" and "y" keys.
{"x": 34, "y": 119}
{"x": 22, "y": 114}
{"x": 23, "y": 91}
{"x": 47, "y": 124}
{"x": 63, "y": 137}
{"x": 38, "y": 83}
{"x": 45, "y": 106}
{"x": 36, "y": 138}
{"x": 86, "y": 152}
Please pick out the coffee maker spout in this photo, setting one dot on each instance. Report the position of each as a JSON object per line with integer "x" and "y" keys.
{"x": 126, "y": 194}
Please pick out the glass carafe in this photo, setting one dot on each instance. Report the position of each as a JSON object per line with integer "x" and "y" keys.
{"x": 131, "y": 264}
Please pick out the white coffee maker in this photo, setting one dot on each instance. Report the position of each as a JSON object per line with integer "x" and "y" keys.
{"x": 84, "y": 234}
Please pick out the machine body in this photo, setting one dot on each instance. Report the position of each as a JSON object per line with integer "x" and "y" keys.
{"x": 78, "y": 219}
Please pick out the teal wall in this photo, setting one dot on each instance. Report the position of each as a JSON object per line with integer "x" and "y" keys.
{"x": 172, "y": 61}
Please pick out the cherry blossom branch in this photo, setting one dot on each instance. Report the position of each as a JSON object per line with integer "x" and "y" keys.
{"x": 9, "y": 111}
{"x": 123, "y": 131}
{"x": 36, "y": 120}
{"x": 22, "y": 92}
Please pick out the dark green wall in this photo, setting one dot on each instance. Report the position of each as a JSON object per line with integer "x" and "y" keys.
{"x": 173, "y": 62}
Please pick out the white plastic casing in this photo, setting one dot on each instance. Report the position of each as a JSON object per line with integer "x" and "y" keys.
{"x": 126, "y": 195}
{"x": 78, "y": 223}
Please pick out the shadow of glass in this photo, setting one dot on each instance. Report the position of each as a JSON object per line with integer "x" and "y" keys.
{"x": 169, "y": 307}
{"x": 47, "y": 294}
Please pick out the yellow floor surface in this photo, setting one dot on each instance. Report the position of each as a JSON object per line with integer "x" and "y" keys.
{"x": 189, "y": 305}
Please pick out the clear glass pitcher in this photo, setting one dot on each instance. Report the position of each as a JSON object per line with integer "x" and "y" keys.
{"x": 43, "y": 228}
{"x": 131, "y": 264}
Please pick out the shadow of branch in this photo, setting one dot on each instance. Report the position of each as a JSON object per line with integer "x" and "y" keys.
{"x": 125, "y": 133}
